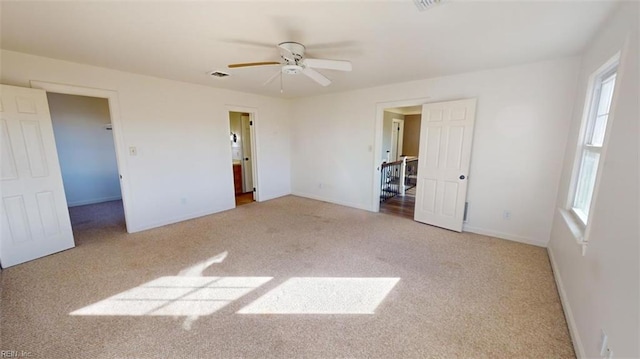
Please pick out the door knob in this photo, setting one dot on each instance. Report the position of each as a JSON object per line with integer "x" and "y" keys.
{"x": 462, "y": 177}
{"x": 246, "y": 159}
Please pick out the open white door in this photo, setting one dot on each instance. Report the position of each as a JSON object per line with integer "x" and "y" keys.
{"x": 446, "y": 133}
{"x": 35, "y": 219}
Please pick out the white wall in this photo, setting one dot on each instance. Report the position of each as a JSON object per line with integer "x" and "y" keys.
{"x": 601, "y": 289}
{"x": 387, "y": 129}
{"x": 85, "y": 148}
{"x": 521, "y": 129}
{"x": 181, "y": 131}
{"x": 411, "y": 140}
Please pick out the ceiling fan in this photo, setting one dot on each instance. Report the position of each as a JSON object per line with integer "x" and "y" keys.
{"x": 293, "y": 62}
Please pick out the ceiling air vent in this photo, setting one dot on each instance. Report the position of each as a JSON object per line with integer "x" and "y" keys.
{"x": 423, "y": 5}
{"x": 218, "y": 74}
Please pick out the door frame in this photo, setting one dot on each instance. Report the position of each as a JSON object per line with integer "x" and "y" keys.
{"x": 116, "y": 125}
{"x": 400, "y": 139}
{"x": 378, "y": 140}
{"x": 253, "y": 115}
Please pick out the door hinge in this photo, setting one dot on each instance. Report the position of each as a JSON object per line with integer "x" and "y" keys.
{"x": 250, "y": 123}
{"x": 254, "y": 189}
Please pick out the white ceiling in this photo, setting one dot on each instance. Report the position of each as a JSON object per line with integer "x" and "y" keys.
{"x": 387, "y": 42}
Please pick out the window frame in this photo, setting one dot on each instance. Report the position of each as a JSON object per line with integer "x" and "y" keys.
{"x": 579, "y": 222}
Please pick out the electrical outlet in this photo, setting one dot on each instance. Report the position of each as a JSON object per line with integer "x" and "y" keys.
{"x": 506, "y": 215}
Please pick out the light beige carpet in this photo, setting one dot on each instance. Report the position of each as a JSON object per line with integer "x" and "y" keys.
{"x": 457, "y": 296}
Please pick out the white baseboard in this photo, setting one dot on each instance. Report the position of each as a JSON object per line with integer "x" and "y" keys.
{"x": 93, "y": 201}
{"x": 144, "y": 227}
{"x": 502, "y": 235}
{"x": 466, "y": 228}
{"x": 341, "y": 203}
{"x": 271, "y": 196}
{"x": 568, "y": 314}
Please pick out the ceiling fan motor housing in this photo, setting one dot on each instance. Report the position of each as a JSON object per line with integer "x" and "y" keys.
{"x": 294, "y": 48}
{"x": 291, "y": 52}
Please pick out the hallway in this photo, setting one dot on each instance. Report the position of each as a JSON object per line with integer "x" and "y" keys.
{"x": 402, "y": 206}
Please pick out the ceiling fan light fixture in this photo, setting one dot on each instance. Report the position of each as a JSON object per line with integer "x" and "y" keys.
{"x": 291, "y": 69}
{"x": 423, "y": 5}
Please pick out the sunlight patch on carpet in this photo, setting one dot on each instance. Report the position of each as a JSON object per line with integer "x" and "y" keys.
{"x": 176, "y": 296}
{"x": 300, "y": 295}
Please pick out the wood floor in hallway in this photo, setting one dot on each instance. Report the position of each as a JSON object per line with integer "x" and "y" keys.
{"x": 244, "y": 198}
{"x": 402, "y": 206}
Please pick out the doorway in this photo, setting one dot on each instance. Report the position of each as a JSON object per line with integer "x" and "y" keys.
{"x": 242, "y": 156}
{"x": 398, "y": 168}
{"x": 102, "y": 191}
{"x": 84, "y": 140}
{"x": 444, "y": 153}
{"x": 35, "y": 208}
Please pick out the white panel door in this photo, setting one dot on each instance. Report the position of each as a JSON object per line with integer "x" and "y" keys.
{"x": 35, "y": 219}
{"x": 446, "y": 133}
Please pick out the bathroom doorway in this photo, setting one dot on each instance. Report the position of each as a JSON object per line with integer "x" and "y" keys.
{"x": 242, "y": 156}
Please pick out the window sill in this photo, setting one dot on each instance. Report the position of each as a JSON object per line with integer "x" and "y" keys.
{"x": 576, "y": 228}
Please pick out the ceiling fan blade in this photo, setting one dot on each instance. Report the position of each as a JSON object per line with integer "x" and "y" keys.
{"x": 339, "y": 65}
{"x": 249, "y": 64}
{"x": 316, "y": 76}
{"x": 266, "y": 45}
{"x": 270, "y": 80}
